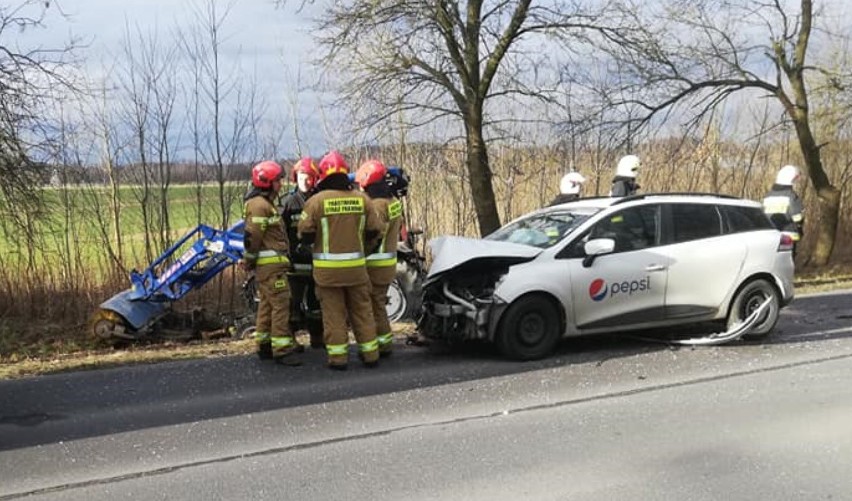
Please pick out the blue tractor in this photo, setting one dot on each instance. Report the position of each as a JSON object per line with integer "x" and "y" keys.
{"x": 191, "y": 262}
{"x": 144, "y": 310}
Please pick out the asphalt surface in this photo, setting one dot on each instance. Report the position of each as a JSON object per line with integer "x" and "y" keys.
{"x": 605, "y": 418}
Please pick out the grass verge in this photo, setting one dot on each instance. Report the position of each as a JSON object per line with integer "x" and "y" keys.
{"x": 105, "y": 358}
{"x": 27, "y": 351}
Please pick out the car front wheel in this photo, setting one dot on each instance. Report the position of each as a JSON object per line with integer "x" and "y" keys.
{"x": 748, "y": 299}
{"x": 530, "y": 328}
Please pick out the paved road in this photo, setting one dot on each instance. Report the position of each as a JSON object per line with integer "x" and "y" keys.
{"x": 606, "y": 418}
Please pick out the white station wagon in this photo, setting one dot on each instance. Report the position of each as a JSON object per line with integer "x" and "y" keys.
{"x": 604, "y": 265}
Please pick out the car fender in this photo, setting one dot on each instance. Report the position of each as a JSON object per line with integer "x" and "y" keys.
{"x": 764, "y": 261}
{"x": 534, "y": 277}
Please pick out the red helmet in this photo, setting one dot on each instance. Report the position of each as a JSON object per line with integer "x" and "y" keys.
{"x": 332, "y": 163}
{"x": 265, "y": 173}
{"x": 370, "y": 172}
{"x": 305, "y": 165}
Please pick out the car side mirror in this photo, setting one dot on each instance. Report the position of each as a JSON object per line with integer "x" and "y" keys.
{"x": 595, "y": 248}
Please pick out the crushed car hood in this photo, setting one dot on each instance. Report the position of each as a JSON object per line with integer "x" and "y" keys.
{"x": 449, "y": 253}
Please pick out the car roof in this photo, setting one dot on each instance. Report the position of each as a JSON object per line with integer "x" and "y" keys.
{"x": 676, "y": 197}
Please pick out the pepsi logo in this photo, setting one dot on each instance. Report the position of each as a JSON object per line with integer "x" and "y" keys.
{"x": 598, "y": 289}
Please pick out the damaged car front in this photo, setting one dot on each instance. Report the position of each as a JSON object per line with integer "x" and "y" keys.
{"x": 462, "y": 292}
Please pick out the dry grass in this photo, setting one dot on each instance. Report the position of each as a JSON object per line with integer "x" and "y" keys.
{"x": 74, "y": 355}
{"x": 832, "y": 278}
{"x": 100, "y": 359}
{"x": 27, "y": 349}
{"x": 50, "y": 362}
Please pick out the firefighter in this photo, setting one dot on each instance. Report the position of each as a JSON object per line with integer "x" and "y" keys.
{"x": 624, "y": 183}
{"x": 381, "y": 265}
{"x": 783, "y": 205}
{"x": 569, "y": 188}
{"x": 304, "y": 176}
{"x": 266, "y": 245}
{"x": 341, "y": 230}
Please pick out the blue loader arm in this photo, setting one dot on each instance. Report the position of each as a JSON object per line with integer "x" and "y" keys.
{"x": 172, "y": 276}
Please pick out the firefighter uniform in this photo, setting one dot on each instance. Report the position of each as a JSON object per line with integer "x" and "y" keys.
{"x": 266, "y": 247}
{"x": 624, "y": 183}
{"x": 784, "y": 208}
{"x": 335, "y": 220}
{"x": 623, "y": 187}
{"x": 304, "y": 307}
{"x": 564, "y": 198}
{"x": 381, "y": 266}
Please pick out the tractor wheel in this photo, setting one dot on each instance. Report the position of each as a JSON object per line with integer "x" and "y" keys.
{"x": 109, "y": 327}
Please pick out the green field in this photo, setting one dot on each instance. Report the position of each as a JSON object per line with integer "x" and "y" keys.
{"x": 75, "y": 225}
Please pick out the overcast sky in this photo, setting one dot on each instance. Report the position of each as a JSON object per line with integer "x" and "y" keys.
{"x": 258, "y": 37}
{"x": 256, "y": 27}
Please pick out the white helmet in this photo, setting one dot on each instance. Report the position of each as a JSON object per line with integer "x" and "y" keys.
{"x": 571, "y": 183}
{"x": 787, "y": 175}
{"x": 627, "y": 166}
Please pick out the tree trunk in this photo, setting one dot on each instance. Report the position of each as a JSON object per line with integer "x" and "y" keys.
{"x": 829, "y": 211}
{"x": 481, "y": 187}
{"x": 829, "y": 196}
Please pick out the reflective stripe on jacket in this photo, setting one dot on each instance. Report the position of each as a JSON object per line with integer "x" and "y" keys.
{"x": 784, "y": 208}
{"x": 339, "y": 219}
{"x": 264, "y": 239}
{"x": 381, "y": 265}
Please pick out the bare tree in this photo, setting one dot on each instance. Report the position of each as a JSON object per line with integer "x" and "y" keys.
{"x": 217, "y": 90}
{"x": 31, "y": 78}
{"x": 138, "y": 115}
{"x": 451, "y": 58}
{"x": 698, "y": 54}
{"x": 162, "y": 77}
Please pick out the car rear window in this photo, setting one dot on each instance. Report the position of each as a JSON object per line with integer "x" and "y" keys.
{"x": 694, "y": 221}
{"x": 740, "y": 219}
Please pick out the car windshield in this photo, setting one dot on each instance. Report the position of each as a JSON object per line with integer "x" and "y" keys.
{"x": 542, "y": 229}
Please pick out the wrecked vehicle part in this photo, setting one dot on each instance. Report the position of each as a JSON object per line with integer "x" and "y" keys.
{"x": 450, "y": 253}
{"x": 461, "y": 305}
{"x": 736, "y": 332}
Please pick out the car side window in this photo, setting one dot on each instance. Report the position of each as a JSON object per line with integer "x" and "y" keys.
{"x": 632, "y": 229}
{"x": 694, "y": 221}
{"x": 741, "y": 219}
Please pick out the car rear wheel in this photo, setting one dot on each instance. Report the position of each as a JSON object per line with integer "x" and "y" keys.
{"x": 530, "y": 328}
{"x": 749, "y": 298}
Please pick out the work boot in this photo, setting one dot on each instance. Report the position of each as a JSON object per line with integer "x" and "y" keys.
{"x": 285, "y": 349}
{"x": 291, "y": 359}
{"x": 264, "y": 350}
{"x": 385, "y": 344}
{"x": 370, "y": 359}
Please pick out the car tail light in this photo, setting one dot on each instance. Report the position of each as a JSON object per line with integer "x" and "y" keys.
{"x": 786, "y": 243}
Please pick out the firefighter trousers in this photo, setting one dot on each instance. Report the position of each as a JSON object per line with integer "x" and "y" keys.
{"x": 273, "y": 311}
{"x": 338, "y": 303}
{"x": 304, "y": 307}
{"x": 379, "y": 300}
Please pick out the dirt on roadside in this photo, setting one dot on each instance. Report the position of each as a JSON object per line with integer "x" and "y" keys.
{"x": 31, "y": 349}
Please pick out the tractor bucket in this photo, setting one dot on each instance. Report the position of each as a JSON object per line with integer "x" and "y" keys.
{"x": 136, "y": 314}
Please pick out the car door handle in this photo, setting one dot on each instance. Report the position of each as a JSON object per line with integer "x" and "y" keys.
{"x": 655, "y": 267}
